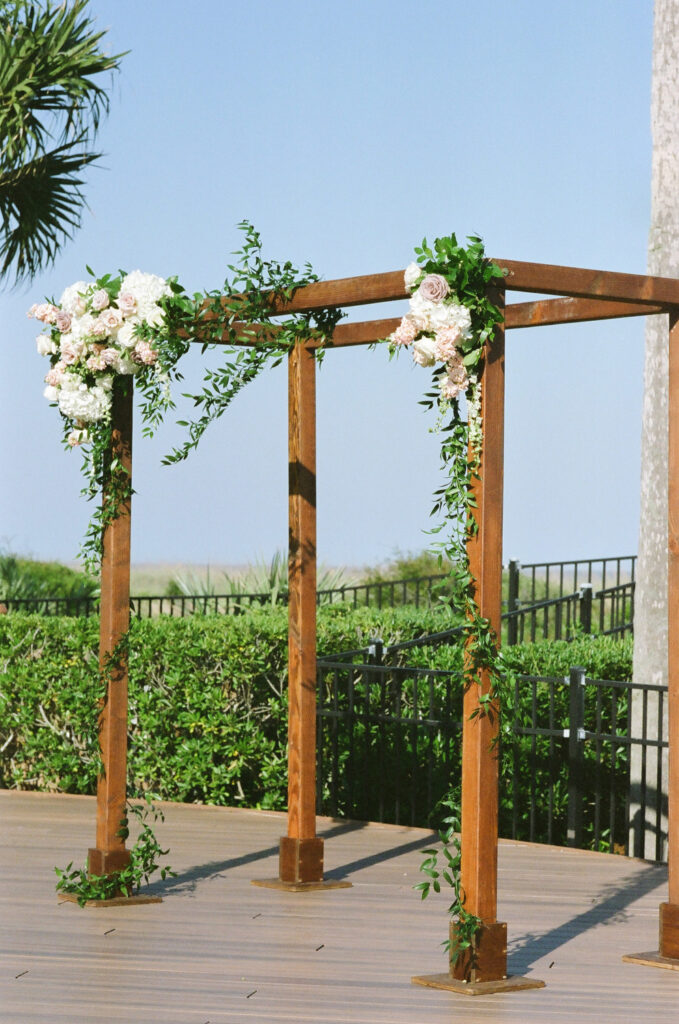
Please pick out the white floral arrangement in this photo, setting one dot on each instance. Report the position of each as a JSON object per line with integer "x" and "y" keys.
{"x": 95, "y": 332}
{"x": 435, "y": 326}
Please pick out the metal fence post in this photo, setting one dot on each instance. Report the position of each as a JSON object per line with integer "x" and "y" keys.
{"x": 576, "y": 750}
{"x": 586, "y": 607}
{"x": 513, "y": 601}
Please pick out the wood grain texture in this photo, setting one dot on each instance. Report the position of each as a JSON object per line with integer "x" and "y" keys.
{"x": 551, "y": 279}
{"x": 568, "y": 310}
{"x": 110, "y": 853}
{"x": 480, "y": 731}
{"x": 219, "y": 949}
{"x": 302, "y": 612}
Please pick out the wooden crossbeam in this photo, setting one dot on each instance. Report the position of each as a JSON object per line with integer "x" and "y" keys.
{"x": 543, "y": 278}
{"x": 545, "y": 312}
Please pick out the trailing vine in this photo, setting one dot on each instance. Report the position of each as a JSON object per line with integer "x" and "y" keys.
{"x": 144, "y": 862}
{"x": 451, "y": 318}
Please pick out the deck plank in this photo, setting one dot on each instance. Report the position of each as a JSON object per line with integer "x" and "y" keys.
{"x": 219, "y": 949}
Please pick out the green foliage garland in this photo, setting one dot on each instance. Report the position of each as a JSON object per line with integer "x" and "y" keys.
{"x": 447, "y": 280}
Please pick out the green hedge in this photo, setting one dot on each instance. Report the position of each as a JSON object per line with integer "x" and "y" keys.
{"x": 208, "y": 702}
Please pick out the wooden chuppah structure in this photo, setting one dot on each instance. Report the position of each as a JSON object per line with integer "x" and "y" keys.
{"x": 584, "y": 295}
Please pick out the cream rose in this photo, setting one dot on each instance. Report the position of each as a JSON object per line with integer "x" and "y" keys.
{"x": 100, "y": 300}
{"x": 412, "y": 273}
{"x": 126, "y": 337}
{"x": 424, "y": 351}
{"x": 127, "y": 303}
{"x": 112, "y": 318}
{"x": 45, "y": 345}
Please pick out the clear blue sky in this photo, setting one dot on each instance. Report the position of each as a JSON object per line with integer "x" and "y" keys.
{"x": 345, "y": 132}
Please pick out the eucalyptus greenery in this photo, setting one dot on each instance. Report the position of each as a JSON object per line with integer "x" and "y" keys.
{"x": 243, "y": 308}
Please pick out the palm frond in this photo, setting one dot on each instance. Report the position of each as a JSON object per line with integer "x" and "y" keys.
{"x": 51, "y": 104}
{"x": 40, "y": 205}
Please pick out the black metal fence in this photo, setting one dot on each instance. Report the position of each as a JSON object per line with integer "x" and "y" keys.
{"x": 389, "y": 749}
{"x": 540, "y": 581}
{"x": 421, "y": 591}
{"x": 609, "y": 611}
{"x": 544, "y": 600}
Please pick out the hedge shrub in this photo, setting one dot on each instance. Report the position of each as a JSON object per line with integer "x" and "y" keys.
{"x": 208, "y": 701}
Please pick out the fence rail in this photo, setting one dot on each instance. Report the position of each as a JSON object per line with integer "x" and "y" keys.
{"x": 421, "y": 591}
{"x": 544, "y": 580}
{"x": 388, "y": 748}
{"x": 527, "y": 586}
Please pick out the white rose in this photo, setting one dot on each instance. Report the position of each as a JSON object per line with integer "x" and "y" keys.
{"x": 45, "y": 345}
{"x": 413, "y": 271}
{"x": 50, "y": 393}
{"x": 126, "y": 337}
{"x": 155, "y": 316}
{"x": 72, "y": 299}
{"x": 424, "y": 351}
{"x": 421, "y": 310}
{"x": 82, "y": 326}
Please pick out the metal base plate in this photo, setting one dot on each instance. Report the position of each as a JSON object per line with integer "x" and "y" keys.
{"x": 652, "y": 960}
{"x": 277, "y": 883}
{"x": 476, "y": 988}
{"x": 117, "y": 901}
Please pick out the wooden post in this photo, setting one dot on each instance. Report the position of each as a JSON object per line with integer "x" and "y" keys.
{"x": 109, "y": 854}
{"x": 301, "y": 851}
{"x": 480, "y": 731}
{"x": 483, "y": 969}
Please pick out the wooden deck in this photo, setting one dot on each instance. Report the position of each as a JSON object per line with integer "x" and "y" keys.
{"x": 219, "y": 949}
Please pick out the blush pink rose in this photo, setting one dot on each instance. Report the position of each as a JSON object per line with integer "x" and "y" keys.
{"x": 99, "y": 328}
{"x": 434, "y": 288}
{"x": 46, "y": 312}
{"x": 55, "y": 375}
{"x": 100, "y": 300}
{"x": 446, "y": 341}
{"x": 63, "y": 321}
{"x": 112, "y": 318}
{"x": 144, "y": 353}
{"x": 70, "y": 352}
{"x": 96, "y": 362}
{"x": 406, "y": 332}
{"x": 109, "y": 356}
{"x": 127, "y": 303}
